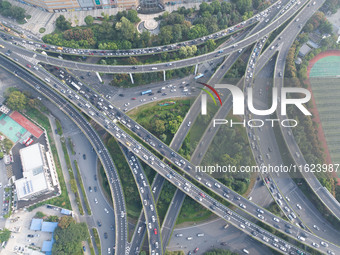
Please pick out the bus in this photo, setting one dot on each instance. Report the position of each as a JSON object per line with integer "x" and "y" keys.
{"x": 75, "y": 85}
{"x": 146, "y": 92}
{"x": 200, "y": 75}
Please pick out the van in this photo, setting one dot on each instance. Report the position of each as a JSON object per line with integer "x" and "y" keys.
{"x": 301, "y": 238}
{"x": 111, "y": 107}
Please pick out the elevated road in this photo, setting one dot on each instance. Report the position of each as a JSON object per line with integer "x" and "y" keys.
{"x": 103, "y": 154}
{"x": 178, "y": 180}
{"x": 160, "y": 67}
{"x": 148, "y": 202}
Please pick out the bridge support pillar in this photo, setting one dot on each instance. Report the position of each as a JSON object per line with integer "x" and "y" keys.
{"x": 132, "y": 81}
{"x": 196, "y": 67}
{"x": 164, "y": 77}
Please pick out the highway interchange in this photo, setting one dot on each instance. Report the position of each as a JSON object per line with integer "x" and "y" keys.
{"x": 144, "y": 154}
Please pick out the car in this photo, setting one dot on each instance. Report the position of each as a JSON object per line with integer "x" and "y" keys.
{"x": 179, "y": 235}
{"x": 112, "y": 227}
{"x": 99, "y": 223}
{"x": 260, "y": 216}
{"x": 243, "y": 206}
{"x": 196, "y": 250}
{"x": 29, "y": 66}
{"x": 95, "y": 177}
{"x": 30, "y": 235}
{"x": 202, "y": 195}
{"x": 324, "y": 244}
{"x": 96, "y": 200}
{"x": 155, "y": 231}
{"x": 105, "y": 235}
{"x": 298, "y": 206}
{"x": 84, "y": 156}
{"x": 106, "y": 210}
{"x": 95, "y": 188}
{"x": 315, "y": 245}
{"x": 90, "y": 189}
{"x": 84, "y": 248}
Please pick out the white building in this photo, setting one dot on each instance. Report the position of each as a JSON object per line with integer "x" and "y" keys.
{"x": 39, "y": 173}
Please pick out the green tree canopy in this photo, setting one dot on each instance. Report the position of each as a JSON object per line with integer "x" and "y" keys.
{"x": 62, "y": 23}
{"x": 16, "y": 101}
{"x": 68, "y": 240}
{"x": 89, "y": 20}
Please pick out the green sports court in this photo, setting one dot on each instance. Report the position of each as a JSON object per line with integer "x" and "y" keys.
{"x": 325, "y": 83}
{"x": 10, "y": 128}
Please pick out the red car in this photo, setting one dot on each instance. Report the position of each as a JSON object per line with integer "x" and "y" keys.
{"x": 202, "y": 195}
{"x": 196, "y": 250}
{"x": 44, "y": 46}
{"x": 133, "y": 98}
{"x": 29, "y": 66}
{"x": 155, "y": 231}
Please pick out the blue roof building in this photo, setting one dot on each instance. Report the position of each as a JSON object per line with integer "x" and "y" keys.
{"x": 36, "y": 224}
{"x": 49, "y": 226}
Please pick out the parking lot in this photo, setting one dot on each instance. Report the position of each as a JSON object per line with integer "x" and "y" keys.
{"x": 23, "y": 239}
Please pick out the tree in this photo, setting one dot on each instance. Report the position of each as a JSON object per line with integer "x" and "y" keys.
{"x": 183, "y": 52}
{"x": 65, "y": 222}
{"x": 68, "y": 240}
{"x": 165, "y": 35}
{"x": 5, "y": 235}
{"x": 89, "y": 20}
{"x": 160, "y": 126}
{"x": 62, "y": 23}
{"x": 211, "y": 45}
{"x": 132, "y": 15}
{"x": 16, "y": 101}
{"x": 163, "y": 137}
{"x": 39, "y": 215}
{"x": 126, "y": 28}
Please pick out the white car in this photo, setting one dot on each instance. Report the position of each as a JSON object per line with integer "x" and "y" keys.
{"x": 276, "y": 219}
{"x": 298, "y": 206}
{"x": 260, "y": 216}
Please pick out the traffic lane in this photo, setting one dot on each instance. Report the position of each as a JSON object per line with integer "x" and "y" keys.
{"x": 267, "y": 144}
{"x": 101, "y": 209}
{"x": 146, "y": 199}
{"x": 137, "y": 238}
{"x": 87, "y": 168}
{"x": 215, "y": 236}
{"x": 134, "y": 142}
{"x": 181, "y": 63}
{"x": 61, "y": 102}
